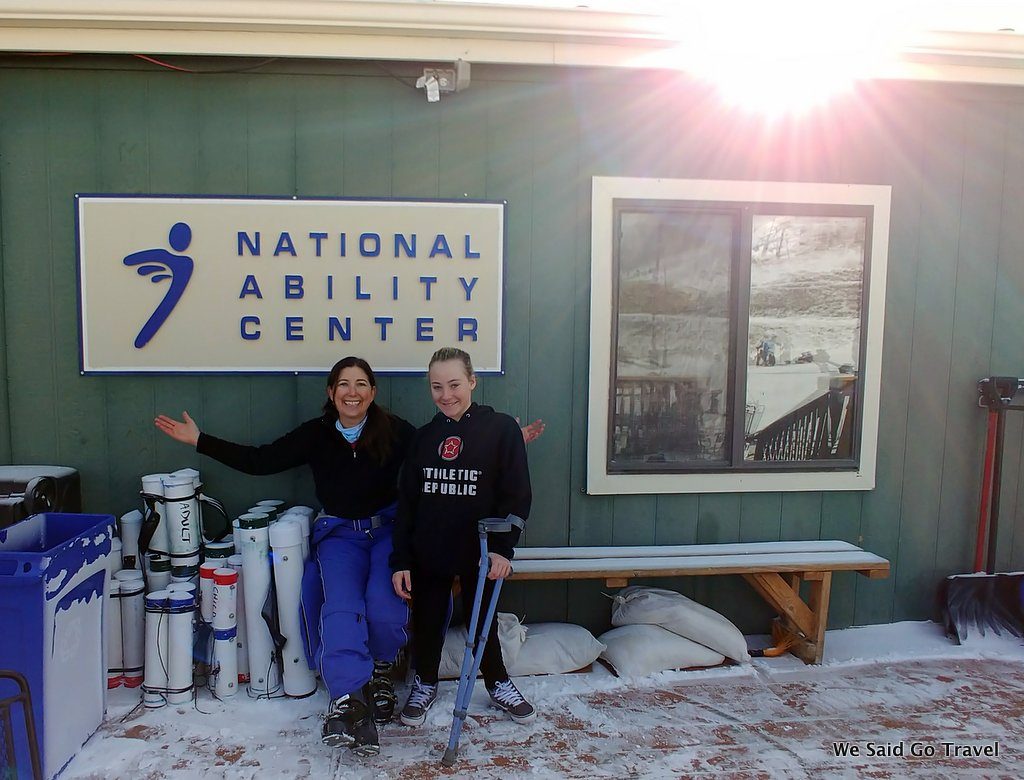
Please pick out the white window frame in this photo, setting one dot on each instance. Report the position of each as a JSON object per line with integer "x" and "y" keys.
{"x": 605, "y": 190}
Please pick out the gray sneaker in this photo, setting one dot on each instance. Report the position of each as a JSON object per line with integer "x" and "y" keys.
{"x": 421, "y": 698}
{"x": 506, "y": 696}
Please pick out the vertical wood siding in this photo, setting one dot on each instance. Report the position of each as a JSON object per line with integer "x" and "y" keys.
{"x": 534, "y": 138}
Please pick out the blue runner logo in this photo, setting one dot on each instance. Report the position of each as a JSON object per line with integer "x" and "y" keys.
{"x": 159, "y": 264}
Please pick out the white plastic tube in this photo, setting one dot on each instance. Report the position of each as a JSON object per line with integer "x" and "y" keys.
{"x": 242, "y": 657}
{"x": 133, "y": 626}
{"x": 253, "y": 540}
{"x": 154, "y": 689}
{"x": 184, "y": 587}
{"x": 129, "y": 527}
{"x": 225, "y": 652}
{"x": 304, "y": 524}
{"x": 112, "y": 621}
{"x": 225, "y": 587}
{"x": 159, "y": 568}
{"x": 286, "y": 541}
{"x": 221, "y": 550}
{"x": 206, "y": 571}
{"x": 225, "y": 660}
{"x": 154, "y": 485}
{"x": 183, "y": 522}
{"x": 180, "y": 606}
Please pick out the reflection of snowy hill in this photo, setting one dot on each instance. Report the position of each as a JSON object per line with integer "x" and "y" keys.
{"x": 835, "y": 339}
{"x": 779, "y": 390}
{"x": 681, "y": 345}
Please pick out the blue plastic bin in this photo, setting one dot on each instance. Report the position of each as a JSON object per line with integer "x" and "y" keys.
{"x": 52, "y": 572}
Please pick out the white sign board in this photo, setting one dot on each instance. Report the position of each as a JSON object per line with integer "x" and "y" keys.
{"x": 260, "y": 285}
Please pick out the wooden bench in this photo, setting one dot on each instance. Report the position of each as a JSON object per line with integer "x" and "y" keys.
{"x": 776, "y": 571}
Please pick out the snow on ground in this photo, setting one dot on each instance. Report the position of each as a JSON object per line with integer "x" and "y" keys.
{"x": 879, "y": 688}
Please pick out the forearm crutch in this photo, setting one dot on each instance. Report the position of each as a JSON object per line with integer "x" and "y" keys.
{"x": 475, "y": 649}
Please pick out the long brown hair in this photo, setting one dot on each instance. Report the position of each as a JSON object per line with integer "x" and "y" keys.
{"x": 378, "y": 433}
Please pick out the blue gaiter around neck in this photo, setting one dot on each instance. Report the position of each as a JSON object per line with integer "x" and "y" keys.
{"x": 351, "y": 434}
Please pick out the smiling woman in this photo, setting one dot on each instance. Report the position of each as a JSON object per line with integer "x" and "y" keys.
{"x": 355, "y": 450}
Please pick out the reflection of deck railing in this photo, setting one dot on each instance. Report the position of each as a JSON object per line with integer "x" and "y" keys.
{"x": 821, "y": 429}
{"x": 655, "y": 415}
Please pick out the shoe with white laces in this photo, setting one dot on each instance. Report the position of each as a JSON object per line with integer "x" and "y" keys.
{"x": 421, "y": 698}
{"x": 505, "y": 695}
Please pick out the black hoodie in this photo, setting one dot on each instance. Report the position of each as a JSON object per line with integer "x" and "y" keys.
{"x": 456, "y": 473}
{"x": 349, "y": 481}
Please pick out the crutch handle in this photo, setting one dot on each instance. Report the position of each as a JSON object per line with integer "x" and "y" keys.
{"x": 497, "y": 525}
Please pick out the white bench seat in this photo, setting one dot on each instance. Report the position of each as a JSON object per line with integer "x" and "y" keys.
{"x": 775, "y": 570}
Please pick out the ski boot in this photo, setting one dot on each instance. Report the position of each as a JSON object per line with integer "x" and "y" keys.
{"x": 382, "y": 692}
{"x": 349, "y": 724}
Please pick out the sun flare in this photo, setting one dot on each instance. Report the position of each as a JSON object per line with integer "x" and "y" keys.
{"x": 788, "y": 57}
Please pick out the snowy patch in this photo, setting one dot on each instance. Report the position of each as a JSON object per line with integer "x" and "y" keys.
{"x": 900, "y": 684}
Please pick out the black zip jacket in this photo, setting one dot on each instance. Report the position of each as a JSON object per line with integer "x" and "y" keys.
{"x": 457, "y": 473}
{"x": 349, "y": 481}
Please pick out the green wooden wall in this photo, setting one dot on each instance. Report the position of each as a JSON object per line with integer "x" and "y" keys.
{"x": 534, "y": 137}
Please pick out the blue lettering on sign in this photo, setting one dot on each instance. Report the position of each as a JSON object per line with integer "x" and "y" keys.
{"x": 250, "y": 287}
{"x": 360, "y": 295}
{"x": 409, "y": 247}
{"x": 330, "y": 287}
{"x": 254, "y": 246}
{"x": 318, "y": 237}
{"x": 342, "y": 244}
{"x": 284, "y": 244}
{"x": 159, "y": 264}
{"x": 383, "y": 322}
{"x": 469, "y": 287}
{"x": 440, "y": 246}
{"x": 292, "y": 286}
{"x": 470, "y": 254}
{"x": 334, "y": 327}
{"x": 394, "y": 288}
{"x": 293, "y": 329}
{"x": 426, "y": 281}
{"x": 249, "y": 327}
{"x": 467, "y": 328}
{"x": 371, "y": 240}
{"x": 424, "y": 328}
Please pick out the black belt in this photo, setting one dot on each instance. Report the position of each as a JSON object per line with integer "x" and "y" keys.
{"x": 366, "y": 523}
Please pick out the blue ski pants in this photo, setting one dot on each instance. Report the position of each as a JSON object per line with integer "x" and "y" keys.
{"x": 362, "y": 620}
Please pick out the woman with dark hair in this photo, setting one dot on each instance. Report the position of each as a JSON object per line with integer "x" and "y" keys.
{"x": 355, "y": 451}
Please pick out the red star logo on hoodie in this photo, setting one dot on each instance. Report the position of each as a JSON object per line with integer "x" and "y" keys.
{"x": 450, "y": 448}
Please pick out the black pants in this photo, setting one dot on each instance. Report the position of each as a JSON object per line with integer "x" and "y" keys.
{"x": 430, "y": 594}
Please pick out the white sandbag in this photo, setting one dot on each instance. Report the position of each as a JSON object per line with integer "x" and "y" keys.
{"x": 511, "y": 636}
{"x": 555, "y": 648}
{"x": 640, "y": 649}
{"x": 673, "y": 611}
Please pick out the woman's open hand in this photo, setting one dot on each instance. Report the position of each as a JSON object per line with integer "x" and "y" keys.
{"x": 186, "y": 431}
{"x": 532, "y": 431}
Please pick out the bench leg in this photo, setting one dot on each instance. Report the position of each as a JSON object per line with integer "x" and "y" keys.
{"x": 806, "y": 621}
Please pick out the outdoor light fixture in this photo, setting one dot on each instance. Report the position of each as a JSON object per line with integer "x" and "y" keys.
{"x": 434, "y": 81}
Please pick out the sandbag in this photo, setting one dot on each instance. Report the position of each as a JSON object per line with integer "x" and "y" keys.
{"x": 541, "y": 648}
{"x": 511, "y": 636}
{"x": 555, "y": 648}
{"x": 638, "y": 604}
{"x": 640, "y": 649}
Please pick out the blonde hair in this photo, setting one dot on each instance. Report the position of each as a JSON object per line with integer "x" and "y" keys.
{"x": 452, "y": 353}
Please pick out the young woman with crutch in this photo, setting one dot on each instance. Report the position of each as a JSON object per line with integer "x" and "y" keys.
{"x": 354, "y": 449}
{"x": 467, "y": 464}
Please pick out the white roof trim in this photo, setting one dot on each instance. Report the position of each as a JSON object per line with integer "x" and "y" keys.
{"x": 432, "y": 31}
